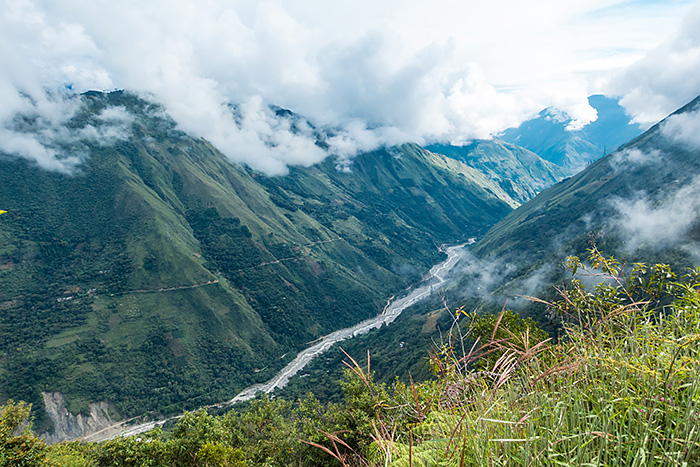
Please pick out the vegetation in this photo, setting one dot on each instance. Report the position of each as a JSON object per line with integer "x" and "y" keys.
{"x": 161, "y": 277}
{"x": 620, "y": 387}
{"x": 520, "y": 173}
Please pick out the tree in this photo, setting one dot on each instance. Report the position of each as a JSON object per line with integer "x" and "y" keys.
{"x": 19, "y": 447}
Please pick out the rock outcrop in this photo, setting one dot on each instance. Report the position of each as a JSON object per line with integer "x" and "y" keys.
{"x": 68, "y": 426}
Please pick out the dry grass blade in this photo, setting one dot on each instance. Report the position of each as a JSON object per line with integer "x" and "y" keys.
{"x": 457, "y": 429}
{"x": 439, "y": 367}
{"x": 535, "y": 300}
{"x": 525, "y": 417}
{"x": 569, "y": 365}
{"x": 504, "y": 367}
{"x": 498, "y": 321}
{"x": 335, "y": 440}
{"x": 368, "y": 372}
{"x": 336, "y": 455}
{"x": 415, "y": 398}
{"x": 357, "y": 369}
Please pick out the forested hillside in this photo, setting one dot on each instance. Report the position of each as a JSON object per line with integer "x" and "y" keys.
{"x": 639, "y": 204}
{"x": 641, "y": 197}
{"x": 519, "y": 172}
{"x": 159, "y": 276}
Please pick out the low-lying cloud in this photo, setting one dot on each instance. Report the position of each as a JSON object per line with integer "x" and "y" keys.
{"x": 110, "y": 125}
{"x": 34, "y": 128}
{"x": 683, "y": 129}
{"x": 41, "y": 130}
{"x": 657, "y": 225}
{"x": 479, "y": 278}
{"x": 634, "y": 157}
{"x": 484, "y": 280}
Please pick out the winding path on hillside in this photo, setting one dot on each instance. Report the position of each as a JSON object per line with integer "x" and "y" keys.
{"x": 434, "y": 279}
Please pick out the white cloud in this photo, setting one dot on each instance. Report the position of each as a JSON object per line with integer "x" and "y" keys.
{"x": 666, "y": 78}
{"x": 32, "y": 148}
{"x": 377, "y": 73}
{"x": 111, "y": 124}
{"x": 658, "y": 225}
{"x": 34, "y": 128}
{"x": 683, "y": 129}
{"x": 634, "y": 157}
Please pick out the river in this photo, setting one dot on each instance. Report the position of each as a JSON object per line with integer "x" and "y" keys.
{"x": 435, "y": 278}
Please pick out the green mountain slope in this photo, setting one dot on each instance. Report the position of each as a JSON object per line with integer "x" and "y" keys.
{"x": 523, "y": 253}
{"x": 520, "y": 173}
{"x": 162, "y": 277}
{"x": 639, "y": 198}
{"x": 641, "y": 203}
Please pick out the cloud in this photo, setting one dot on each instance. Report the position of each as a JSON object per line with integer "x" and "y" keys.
{"x": 366, "y": 74}
{"x": 683, "y": 129}
{"x": 658, "y": 224}
{"x": 481, "y": 278}
{"x": 34, "y": 128}
{"x": 110, "y": 125}
{"x": 41, "y": 128}
{"x": 497, "y": 281}
{"x": 634, "y": 157}
{"x": 666, "y": 78}
{"x": 255, "y": 135}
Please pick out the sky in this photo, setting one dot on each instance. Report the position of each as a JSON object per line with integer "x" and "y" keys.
{"x": 377, "y": 73}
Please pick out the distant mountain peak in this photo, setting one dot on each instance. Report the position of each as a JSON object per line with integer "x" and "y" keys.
{"x": 554, "y": 136}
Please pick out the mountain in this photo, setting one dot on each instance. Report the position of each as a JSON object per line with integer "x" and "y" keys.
{"x": 639, "y": 203}
{"x": 549, "y": 135}
{"x": 161, "y": 277}
{"x": 519, "y": 172}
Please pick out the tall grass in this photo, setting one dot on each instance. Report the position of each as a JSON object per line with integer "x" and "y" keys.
{"x": 620, "y": 388}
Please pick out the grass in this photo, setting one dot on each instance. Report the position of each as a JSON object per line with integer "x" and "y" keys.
{"x": 608, "y": 399}
{"x": 620, "y": 388}
{"x": 70, "y": 335}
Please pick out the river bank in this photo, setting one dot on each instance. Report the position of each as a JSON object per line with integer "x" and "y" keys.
{"x": 436, "y": 277}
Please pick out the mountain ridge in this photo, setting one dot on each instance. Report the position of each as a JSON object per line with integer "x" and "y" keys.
{"x": 200, "y": 273}
{"x": 519, "y": 172}
{"x": 638, "y": 203}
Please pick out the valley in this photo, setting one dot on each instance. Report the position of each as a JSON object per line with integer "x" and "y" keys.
{"x": 216, "y": 275}
{"x": 190, "y": 277}
{"x": 436, "y": 277}
{"x": 349, "y": 234}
